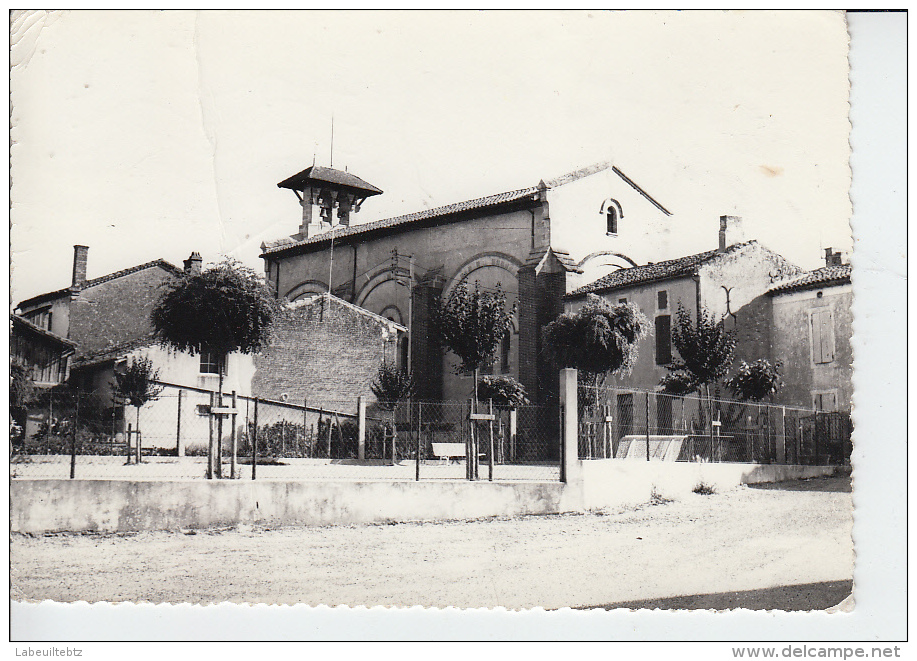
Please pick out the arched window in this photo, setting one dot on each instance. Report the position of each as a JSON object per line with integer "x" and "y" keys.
{"x": 505, "y": 344}
{"x": 613, "y": 213}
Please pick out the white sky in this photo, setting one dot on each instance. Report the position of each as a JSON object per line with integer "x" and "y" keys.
{"x": 153, "y": 134}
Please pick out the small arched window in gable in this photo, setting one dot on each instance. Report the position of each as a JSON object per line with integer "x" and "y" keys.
{"x": 611, "y": 208}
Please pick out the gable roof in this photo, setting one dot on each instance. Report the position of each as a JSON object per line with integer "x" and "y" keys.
{"x": 312, "y": 300}
{"x": 24, "y": 324}
{"x": 670, "y": 268}
{"x": 447, "y": 213}
{"x": 66, "y": 291}
{"x": 114, "y": 352}
{"x": 826, "y": 276}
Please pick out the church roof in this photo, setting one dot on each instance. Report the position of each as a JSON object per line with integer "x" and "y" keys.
{"x": 427, "y": 214}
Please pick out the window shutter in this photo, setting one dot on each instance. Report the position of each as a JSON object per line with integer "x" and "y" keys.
{"x": 663, "y": 340}
{"x": 815, "y": 335}
{"x": 827, "y": 336}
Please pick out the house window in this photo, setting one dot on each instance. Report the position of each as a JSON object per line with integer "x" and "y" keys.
{"x": 41, "y": 318}
{"x": 403, "y": 353}
{"x": 822, "y": 335}
{"x": 210, "y": 363}
{"x": 622, "y": 301}
{"x": 662, "y": 299}
{"x": 663, "y": 339}
{"x": 825, "y": 400}
{"x": 613, "y": 213}
{"x": 505, "y": 344}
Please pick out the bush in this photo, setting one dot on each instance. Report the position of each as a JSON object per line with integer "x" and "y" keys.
{"x": 505, "y": 391}
{"x": 704, "y": 489}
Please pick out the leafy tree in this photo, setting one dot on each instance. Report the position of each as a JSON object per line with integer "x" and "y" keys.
{"x": 504, "y": 391}
{"x": 391, "y": 386}
{"x": 22, "y": 394}
{"x": 471, "y": 324}
{"x": 136, "y": 385}
{"x": 705, "y": 353}
{"x": 756, "y": 381}
{"x": 598, "y": 339}
{"x": 225, "y": 309}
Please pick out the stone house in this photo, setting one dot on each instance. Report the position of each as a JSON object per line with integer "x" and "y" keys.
{"x": 538, "y": 243}
{"x": 731, "y": 281}
{"x": 47, "y": 357}
{"x": 322, "y": 349}
{"x": 813, "y": 313}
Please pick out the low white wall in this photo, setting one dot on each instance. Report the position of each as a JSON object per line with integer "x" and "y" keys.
{"x": 123, "y": 505}
{"x": 616, "y": 482}
{"x": 131, "y": 505}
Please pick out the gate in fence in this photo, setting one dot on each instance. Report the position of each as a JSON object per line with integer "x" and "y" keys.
{"x": 629, "y": 424}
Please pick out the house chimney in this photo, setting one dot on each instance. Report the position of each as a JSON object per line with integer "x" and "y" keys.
{"x": 731, "y": 225}
{"x": 832, "y": 258}
{"x": 193, "y": 264}
{"x": 80, "y": 257}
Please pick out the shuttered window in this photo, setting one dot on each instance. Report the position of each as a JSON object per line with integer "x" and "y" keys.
{"x": 663, "y": 339}
{"x": 822, "y": 334}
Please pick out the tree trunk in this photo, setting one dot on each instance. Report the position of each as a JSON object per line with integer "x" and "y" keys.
{"x": 139, "y": 456}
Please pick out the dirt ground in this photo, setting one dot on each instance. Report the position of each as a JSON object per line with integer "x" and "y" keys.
{"x": 747, "y": 539}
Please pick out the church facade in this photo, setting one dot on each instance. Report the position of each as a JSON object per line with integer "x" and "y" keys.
{"x": 537, "y": 244}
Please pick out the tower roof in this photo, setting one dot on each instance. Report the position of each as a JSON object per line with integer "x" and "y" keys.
{"x": 321, "y": 176}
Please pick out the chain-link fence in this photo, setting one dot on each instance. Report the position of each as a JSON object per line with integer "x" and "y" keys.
{"x": 67, "y": 434}
{"x": 631, "y": 424}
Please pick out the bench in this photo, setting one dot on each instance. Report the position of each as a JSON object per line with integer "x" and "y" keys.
{"x": 447, "y": 451}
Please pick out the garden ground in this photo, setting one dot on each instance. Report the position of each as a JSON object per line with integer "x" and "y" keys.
{"x": 777, "y": 546}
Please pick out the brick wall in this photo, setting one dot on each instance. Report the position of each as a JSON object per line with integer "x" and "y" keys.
{"x": 116, "y": 311}
{"x": 324, "y": 352}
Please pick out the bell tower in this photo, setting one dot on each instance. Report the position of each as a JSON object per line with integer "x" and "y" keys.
{"x": 327, "y": 189}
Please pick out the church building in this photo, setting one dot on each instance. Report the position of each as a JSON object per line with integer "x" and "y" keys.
{"x": 537, "y": 243}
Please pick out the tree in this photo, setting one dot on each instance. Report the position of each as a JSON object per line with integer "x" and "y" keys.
{"x": 225, "y": 309}
{"x": 504, "y": 391}
{"x": 136, "y": 385}
{"x": 391, "y": 386}
{"x": 756, "y": 381}
{"x": 22, "y": 394}
{"x": 598, "y": 339}
{"x": 705, "y": 353}
{"x": 471, "y": 324}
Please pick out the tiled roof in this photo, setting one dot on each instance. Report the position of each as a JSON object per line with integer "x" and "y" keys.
{"x": 827, "y": 275}
{"x": 38, "y": 330}
{"x": 468, "y": 205}
{"x": 331, "y": 176}
{"x": 97, "y": 281}
{"x": 114, "y": 352}
{"x": 670, "y": 268}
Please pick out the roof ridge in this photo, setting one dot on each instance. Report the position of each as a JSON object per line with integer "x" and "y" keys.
{"x": 104, "y": 278}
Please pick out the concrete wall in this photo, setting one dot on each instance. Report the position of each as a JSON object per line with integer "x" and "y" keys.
{"x": 617, "y": 482}
{"x": 100, "y": 505}
{"x": 121, "y": 506}
{"x": 793, "y": 346}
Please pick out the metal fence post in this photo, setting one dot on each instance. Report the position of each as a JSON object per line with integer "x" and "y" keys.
{"x": 647, "y": 426}
{"x": 361, "y": 428}
{"x": 255, "y": 443}
{"x": 233, "y": 464}
{"x": 419, "y": 442}
{"x": 75, "y": 431}
{"x": 128, "y": 444}
{"x": 179, "y": 448}
{"x": 490, "y": 450}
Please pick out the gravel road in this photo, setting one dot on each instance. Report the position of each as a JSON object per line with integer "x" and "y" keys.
{"x": 745, "y": 539}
